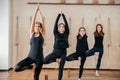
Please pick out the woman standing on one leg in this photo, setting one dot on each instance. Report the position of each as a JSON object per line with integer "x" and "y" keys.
{"x": 98, "y": 46}
{"x": 61, "y": 33}
{"x": 37, "y": 32}
{"x": 81, "y": 48}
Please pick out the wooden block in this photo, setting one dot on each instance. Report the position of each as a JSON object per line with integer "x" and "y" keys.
{"x": 34, "y": 66}
{"x": 68, "y": 73}
{"x": 46, "y": 77}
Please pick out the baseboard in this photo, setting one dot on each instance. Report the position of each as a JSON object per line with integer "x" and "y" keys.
{"x": 84, "y": 69}
{"x": 11, "y": 68}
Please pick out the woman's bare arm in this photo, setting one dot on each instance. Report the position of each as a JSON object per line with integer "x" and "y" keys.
{"x": 33, "y": 21}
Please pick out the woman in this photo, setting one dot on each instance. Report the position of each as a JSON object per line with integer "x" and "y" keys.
{"x": 61, "y": 32}
{"x": 98, "y": 46}
{"x": 37, "y": 32}
{"x": 81, "y": 48}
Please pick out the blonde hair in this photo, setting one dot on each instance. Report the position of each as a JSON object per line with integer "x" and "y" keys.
{"x": 41, "y": 26}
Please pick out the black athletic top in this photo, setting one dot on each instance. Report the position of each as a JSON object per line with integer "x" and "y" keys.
{"x": 82, "y": 44}
{"x": 36, "y": 47}
{"x": 98, "y": 41}
{"x": 61, "y": 40}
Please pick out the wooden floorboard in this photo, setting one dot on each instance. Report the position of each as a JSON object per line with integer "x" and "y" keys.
{"x": 52, "y": 75}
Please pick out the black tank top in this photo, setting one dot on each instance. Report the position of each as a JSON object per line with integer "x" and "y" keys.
{"x": 36, "y": 47}
{"x": 98, "y": 42}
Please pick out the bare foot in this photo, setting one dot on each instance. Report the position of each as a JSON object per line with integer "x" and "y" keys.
{"x": 79, "y": 79}
{"x": 58, "y": 60}
{"x": 97, "y": 53}
{"x": 96, "y": 73}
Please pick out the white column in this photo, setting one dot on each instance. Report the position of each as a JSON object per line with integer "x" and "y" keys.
{"x": 4, "y": 34}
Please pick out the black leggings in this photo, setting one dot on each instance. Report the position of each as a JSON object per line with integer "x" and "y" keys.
{"x": 74, "y": 56}
{"x": 92, "y": 51}
{"x": 28, "y": 61}
{"x": 57, "y": 53}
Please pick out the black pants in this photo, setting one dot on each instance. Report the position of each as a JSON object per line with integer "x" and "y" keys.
{"x": 28, "y": 61}
{"x": 74, "y": 56}
{"x": 57, "y": 53}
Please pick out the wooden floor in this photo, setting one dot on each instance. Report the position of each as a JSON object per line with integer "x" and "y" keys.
{"x": 52, "y": 75}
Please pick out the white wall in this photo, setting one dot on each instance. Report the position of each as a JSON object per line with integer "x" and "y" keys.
{"x": 24, "y": 11}
{"x": 4, "y": 34}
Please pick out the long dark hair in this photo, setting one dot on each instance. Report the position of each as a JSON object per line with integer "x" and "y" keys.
{"x": 101, "y": 33}
{"x": 80, "y": 37}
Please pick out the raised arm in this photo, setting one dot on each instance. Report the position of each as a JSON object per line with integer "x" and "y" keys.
{"x": 33, "y": 21}
{"x": 66, "y": 24}
{"x": 56, "y": 24}
{"x": 43, "y": 26}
